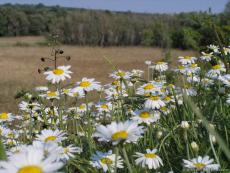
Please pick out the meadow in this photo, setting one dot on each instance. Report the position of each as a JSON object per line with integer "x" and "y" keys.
{"x": 20, "y": 61}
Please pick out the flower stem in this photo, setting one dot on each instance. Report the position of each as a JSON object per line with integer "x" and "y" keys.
{"x": 127, "y": 160}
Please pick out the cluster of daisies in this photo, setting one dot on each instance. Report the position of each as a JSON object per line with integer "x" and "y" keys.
{"x": 134, "y": 125}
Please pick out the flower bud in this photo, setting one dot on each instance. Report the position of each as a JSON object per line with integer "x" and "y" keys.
{"x": 159, "y": 134}
{"x": 194, "y": 146}
{"x": 185, "y": 125}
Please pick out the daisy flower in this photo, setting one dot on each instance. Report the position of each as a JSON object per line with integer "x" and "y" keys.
{"x": 51, "y": 136}
{"x": 120, "y": 74}
{"x": 51, "y": 95}
{"x": 6, "y": 117}
{"x": 160, "y": 66}
{"x": 226, "y": 50}
{"x": 225, "y": 79}
{"x": 127, "y": 132}
{"x": 216, "y": 70}
{"x": 206, "y": 56}
{"x": 69, "y": 152}
{"x": 106, "y": 161}
{"x": 87, "y": 85}
{"x": 201, "y": 164}
{"x": 41, "y": 88}
{"x": 30, "y": 161}
{"x": 154, "y": 102}
{"x": 136, "y": 73}
{"x": 151, "y": 87}
{"x": 150, "y": 159}
{"x": 214, "y": 48}
{"x": 145, "y": 116}
{"x": 187, "y": 60}
{"x": 58, "y": 74}
{"x": 104, "y": 107}
{"x": 148, "y": 62}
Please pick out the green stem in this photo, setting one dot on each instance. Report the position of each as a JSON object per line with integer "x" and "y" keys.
{"x": 127, "y": 160}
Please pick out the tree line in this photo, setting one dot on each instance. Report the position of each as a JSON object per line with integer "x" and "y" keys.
{"x": 105, "y": 28}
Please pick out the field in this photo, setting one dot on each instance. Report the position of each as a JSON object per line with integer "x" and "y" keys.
{"x": 20, "y": 60}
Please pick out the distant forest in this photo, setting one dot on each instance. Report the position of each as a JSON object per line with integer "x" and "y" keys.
{"x": 105, "y": 28}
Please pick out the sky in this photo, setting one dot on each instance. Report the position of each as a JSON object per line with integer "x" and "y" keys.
{"x": 148, "y": 6}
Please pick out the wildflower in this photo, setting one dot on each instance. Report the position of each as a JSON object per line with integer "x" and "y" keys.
{"x": 68, "y": 152}
{"x": 201, "y": 164}
{"x": 206, "y": 56}
{"x": 225, "y": 79}
{"x": 106, "y": 161}
{"x": 41, "y": 89}
{"x": 51, "y": 136}
{"x": 151, "y": 87}
{"x": 148, "y": 62}
{"x": 136, "y": 73}
{"x": 32, "y": 160}
{"x": 145, "y": 116}
{"x": 150, "y": 159}
{"x": 127, "y": 132}
{"x": 154, "y": 102}
{"x": 214, "y": 48}
{"x": 216, "y": 70}
{"x": 187, "y": 60}
{"x": 6, "y": 117}
{"x": 87, "y": 85}
{"x": 120, "y": 74}
{"x": 58, "y": 74}
{"x": 160, "y": 66}
{"x": 104, "y": 107}
{"x": 51, "y": 95}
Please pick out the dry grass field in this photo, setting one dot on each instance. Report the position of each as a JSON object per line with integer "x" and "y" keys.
{"x": 19, "y": 64}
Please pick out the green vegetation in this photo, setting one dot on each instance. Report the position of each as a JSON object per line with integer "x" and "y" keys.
{"x": 105, "y": 28}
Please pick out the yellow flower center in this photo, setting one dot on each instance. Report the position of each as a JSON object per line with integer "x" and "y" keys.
{"x": 106, "y": 161}
{"x": 4, "y": 116}
{"x": 199, "y": 165}
{"x": 65, "y": 91}
{"x": 82, "y": 107}
{"x": 167, "y": 98}
{"x": 104, "y": 106}
{"x": 115, "y": 82}
{"x": 121, "y": 73}
{"x": 188, "y": 57}
{"x": 85, "y": 84}
{"x": 193, "y": 65}
{"x": 181, "y": 67}
{"x": 149, "y": 86}
{"x": 144, "y": 115}
{"x": 30, "y": 169}
{"x": 58, "y": 72}
{"x": 216, "y": 67}
{"x": 150, "y": 155}
{"x": 50, "y": 138}
{"x": 159, "y": 63}
{"x": 119, "y": 135}
{"x": 51, "y": 94}
{"x": 154, "y": 98}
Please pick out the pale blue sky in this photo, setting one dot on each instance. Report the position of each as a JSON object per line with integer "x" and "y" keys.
{"x": 150, "y": 6}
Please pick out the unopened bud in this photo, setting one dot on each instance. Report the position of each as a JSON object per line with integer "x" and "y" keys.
{"x": 194, "y": 146}
{"x": 213, "y": 138}
{"x": 185, "y": 125}
{"x": 159, "y": 134}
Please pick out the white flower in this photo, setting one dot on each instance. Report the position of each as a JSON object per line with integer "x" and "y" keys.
{"x": 187, "y": 60}
{"x": 41, "y": 88}
{"x": 120, "y": 74}
{"x": 145, "y": 116}
{"x": 51, "y": 95}
{"x": 137, "y": 73}
{"x": 206, "y": 56}
{"x": 154, "y": 102}
{"x": 216, "y": 70}
{"x": 160, "y": 66}
{"x": 51, "y": 136}
{"x": 68, "y": 152}
{"x": 32, "y": 160}
{"x": 214, "y": 48}
{"x": 87, "y": 85}
{"x": 127, "y": 131}
{"x": 225, "y": 79}
{"x": 106, "y": 161}
{"x": 228, "y": 99}
{"x": 194, "y": 146}
{"x": 58, "y": 74}
{"x": 6, "y": 117}
{"x": 104, "y": 107}
{"x": 201, "y": 164}
{"x": 150, "y": 159}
